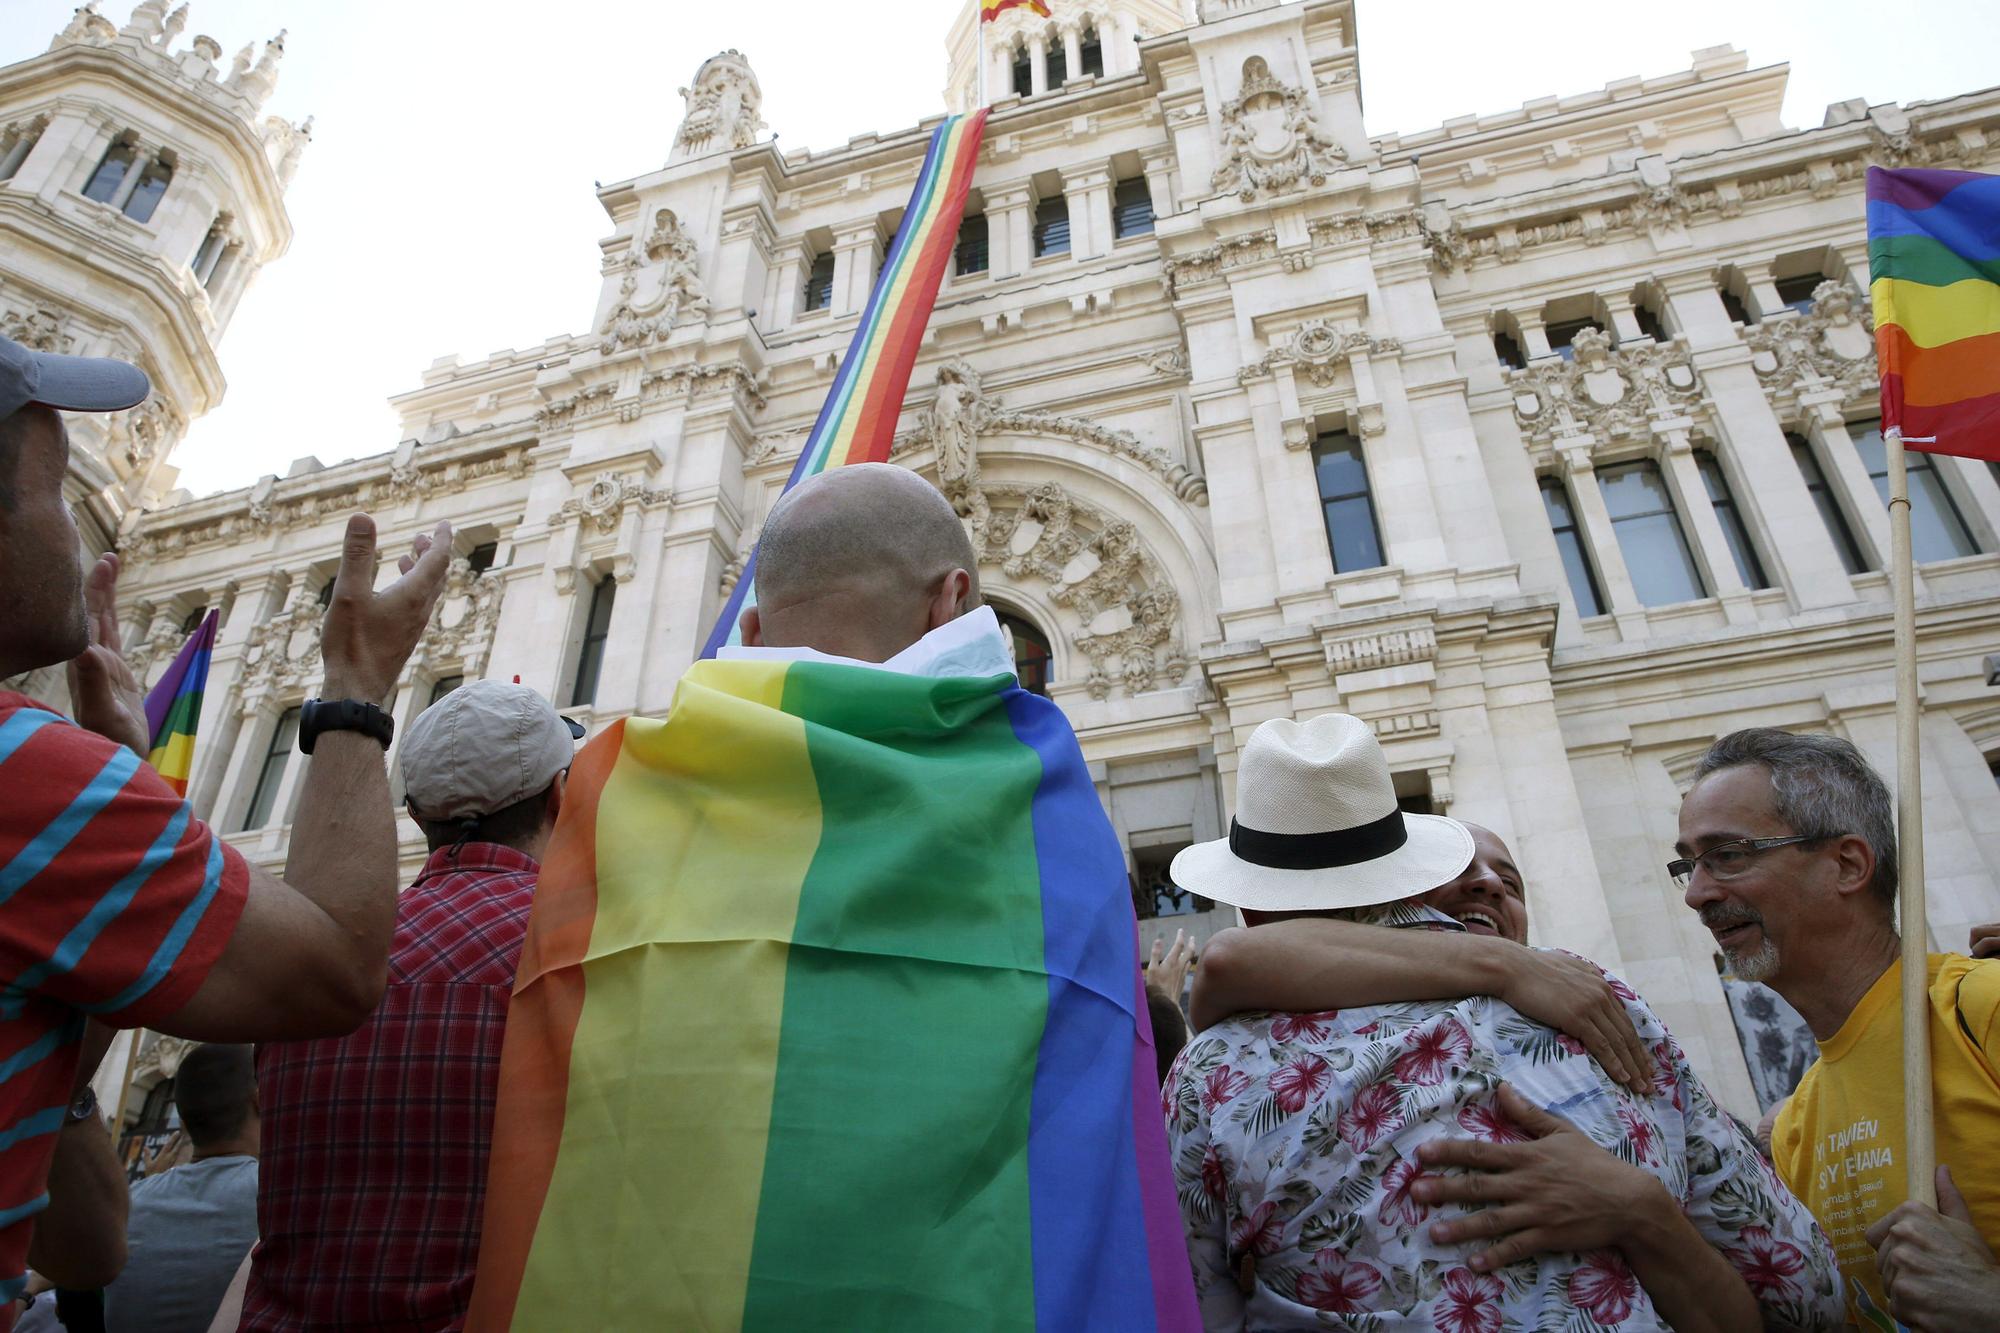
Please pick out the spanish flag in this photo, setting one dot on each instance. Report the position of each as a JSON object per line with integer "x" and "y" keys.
{"x": 993, "y": 9}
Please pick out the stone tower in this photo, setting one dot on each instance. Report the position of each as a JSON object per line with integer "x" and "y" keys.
{"x": 141, "y": 188}
{"x": 1029, "y": 54}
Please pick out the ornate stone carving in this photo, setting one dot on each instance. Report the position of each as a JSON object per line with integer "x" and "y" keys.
{"x": 146, "y": 432}
{"x": 1318, "y": 349}
{"x": 461, "y": 630}
{"x": 1608, "y": 392}
{"x": 41, "y": 328}
{"x": 1207, "y": 265}
{"x": 722, "y": 108}
{"x": 1169, "y": 361}
{"x": 283, "y": 652}
{"x": 605, "y": 499}
{"x": 1126, "y": 617}
{"x": 1831, "y": 345}
{"x": 673, "y": 288}
{"x": 1271, "y": 138}
{"x": 160, "y": 1057}
{"x": 968, "y": 415}
{"x": 87, "y": 26}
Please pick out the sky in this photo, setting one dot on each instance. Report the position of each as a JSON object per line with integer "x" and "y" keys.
{"x": 445, "y": 204}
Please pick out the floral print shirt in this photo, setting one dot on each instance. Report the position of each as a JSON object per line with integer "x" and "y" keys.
{"x": 1294, "y": 1140}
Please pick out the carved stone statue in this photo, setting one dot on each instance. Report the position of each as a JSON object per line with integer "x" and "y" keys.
{"x": 723, "y": 108}
{"x": 1271, "y": 140}
{"x": 670, "y": 291}
{"x": 954, "y": 419}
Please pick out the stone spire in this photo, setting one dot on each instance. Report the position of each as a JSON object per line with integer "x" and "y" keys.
{"x": 722, "y": 108}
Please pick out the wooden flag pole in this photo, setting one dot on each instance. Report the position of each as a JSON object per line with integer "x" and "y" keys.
{"x": 1919, "y": 1134}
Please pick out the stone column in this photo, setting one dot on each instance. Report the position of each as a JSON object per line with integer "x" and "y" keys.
{"x": 1718, "y": 562}
{"x": 857, "y": 247}
{"x": 1072, "y": 52}
{"x": 134, "y": 170}
{"x": 1534, "y": 334}
{"x": 1159, "y": 168}
{"x": 258, "y": 598}
{"x": 1009, "y": 224}
{"x": 781, "y": 304}
{"x": 1038, "y": 65}
{"x": 1763, "y": 292}
{"x": 17, "y": 153}
{"x": 1624, "y": 320}
{"x": 1087, "y": 191}
{"x": 1844, "y": 472}
{"x": 1000, "y": 78}
{"x": 1621, "y": 599}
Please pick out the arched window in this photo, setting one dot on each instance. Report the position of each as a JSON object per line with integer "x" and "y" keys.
{"x": 111, "y": 168}
{"x": 1058, "y": 65}
{"x": 159, "y": 173}
{"x": 1031, "y": 652}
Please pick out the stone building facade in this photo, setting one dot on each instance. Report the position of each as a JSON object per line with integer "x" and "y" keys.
{"x": 1542, "y": 440}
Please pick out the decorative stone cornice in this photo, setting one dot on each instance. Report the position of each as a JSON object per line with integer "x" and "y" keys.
{"x": 1317, "y": 349}
{"x": 604, "y": 500}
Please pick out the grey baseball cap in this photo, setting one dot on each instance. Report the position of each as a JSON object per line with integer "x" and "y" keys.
{"x": 72, "y": 383}
{"x": 483, "y": 747}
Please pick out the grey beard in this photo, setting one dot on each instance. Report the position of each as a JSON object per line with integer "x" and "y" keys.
{"x": 1757, "y": 965}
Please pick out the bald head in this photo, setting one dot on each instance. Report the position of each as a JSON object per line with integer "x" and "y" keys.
{"x": 860, "y": 562}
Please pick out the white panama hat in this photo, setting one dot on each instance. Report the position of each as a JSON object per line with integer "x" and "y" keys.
{"x": 1317, "y": 827}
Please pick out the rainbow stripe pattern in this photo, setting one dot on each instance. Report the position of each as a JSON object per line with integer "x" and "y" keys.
{"x": 1934, "y": 270}
{"x": 993, "y": 9}
{"x": 830, "y": 1016}
{"x": 857, "y": 423}
{"x": 173, "y": 706}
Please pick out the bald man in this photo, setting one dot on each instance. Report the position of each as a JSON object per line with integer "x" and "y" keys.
{"x": 894, "y": 877}
{"x": 860, "y": 562}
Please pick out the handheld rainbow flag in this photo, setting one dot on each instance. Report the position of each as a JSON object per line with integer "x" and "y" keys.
{"x": 830, "y": 1016}
{"x": 1934, "y": 271}
{"x": 857, "y": 423}
{"x": 173, "y": 707}
{"x": 993, "y": 9}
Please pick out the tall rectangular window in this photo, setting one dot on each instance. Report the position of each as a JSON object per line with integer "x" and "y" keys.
{"x": 481, "y": 557}
{"x": 1732, "y": 306}
{"x": 1649, "y": 534}
{"x": 1090, "y": 53}
{"x": 1058, "y": 65}
{"x": 1024, "y": 74}
{"x": 1342, "y": 472}
{"x": 445, "y": 685}
{"x": 1052, "y": 226}
{"x": 1734, "y": 531}
{"x": 971, "y": 254}
{"x": 1132, "y": 208}
{"x": 819, "y": 282}
{"x": 152, "y": 186}
{"x": 590, "y": 655}
{"x": 1570, "y": 545}
{"x": 1937, "y": 529}
{"x": 1829, "y": 507}
{"x": 271, "y": 774}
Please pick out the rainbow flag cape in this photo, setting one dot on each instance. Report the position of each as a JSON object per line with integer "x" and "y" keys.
{"x": 857, "y": 423}
{"x": 993, "y": 9}
{"x": 173, "y": 707}
{"x": 830, "y": 1016}
{"x": 1934, "y": 272}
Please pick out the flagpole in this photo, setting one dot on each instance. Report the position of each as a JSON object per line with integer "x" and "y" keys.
{"x": 1919, "y": 1134}
{"x": 979, "y": 22}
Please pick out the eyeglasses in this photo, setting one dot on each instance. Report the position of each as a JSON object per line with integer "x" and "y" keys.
{"x": 1726, "y": 861}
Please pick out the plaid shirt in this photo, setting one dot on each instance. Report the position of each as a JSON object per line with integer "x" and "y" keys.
{"x": 373, "y": 1162}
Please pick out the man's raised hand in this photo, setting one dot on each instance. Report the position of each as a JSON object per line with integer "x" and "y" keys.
{"x": 369, "y": 635}
{"x": 104, "y": 695}
{"x": 1574, "y": 997}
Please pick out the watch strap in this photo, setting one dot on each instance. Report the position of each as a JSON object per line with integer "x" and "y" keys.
{"x": 318, "y": 716}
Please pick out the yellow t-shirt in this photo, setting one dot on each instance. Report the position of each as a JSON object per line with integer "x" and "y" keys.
{"x": 1839, "y": 1141}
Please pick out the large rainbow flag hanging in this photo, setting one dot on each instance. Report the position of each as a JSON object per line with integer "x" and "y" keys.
{"x": 830, "y": 1016}
{"x": 173, "y": 706}
{"x": 1934, "y": 271}
{"x": 857, "y": 423}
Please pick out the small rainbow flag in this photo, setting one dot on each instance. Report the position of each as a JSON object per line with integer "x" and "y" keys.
{"x": 173, "y": 707}
{"x": 993, "y": 9}
{"x": 857, "y": 423}
{"x": 1934, "y": 269}
{"x": 830, "y": 1016}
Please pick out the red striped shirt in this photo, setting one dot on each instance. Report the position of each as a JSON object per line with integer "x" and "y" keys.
{"x": 115, "y": 901}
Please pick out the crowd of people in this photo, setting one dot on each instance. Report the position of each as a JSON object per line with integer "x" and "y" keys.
{"x": 1382, "y": 1108}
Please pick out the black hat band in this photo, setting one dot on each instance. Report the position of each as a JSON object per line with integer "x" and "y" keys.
{"x": 1319, "y": 851}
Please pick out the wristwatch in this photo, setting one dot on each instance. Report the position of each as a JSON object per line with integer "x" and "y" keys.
{"x": 82, "y": 1107}
{"x": 322, "y": 715}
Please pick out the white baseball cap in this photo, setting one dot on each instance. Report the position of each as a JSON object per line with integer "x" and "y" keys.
{"x": 71, "y": 383}
{"x": 483, "y": 747}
